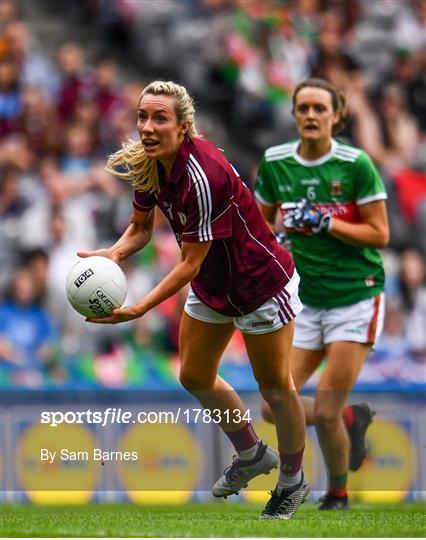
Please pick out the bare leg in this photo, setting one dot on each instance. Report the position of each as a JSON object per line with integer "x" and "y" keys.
{"x": 303, "y": 363}
{"x": 201, "y": 346}
{"x": 270, "y": 358}
{"x": 344, "y": 362}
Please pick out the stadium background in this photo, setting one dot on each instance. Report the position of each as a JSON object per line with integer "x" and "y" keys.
{"x": 70, "y": 75}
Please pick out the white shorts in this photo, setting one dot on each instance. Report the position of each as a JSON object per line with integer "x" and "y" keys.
{"x": 361, "y": 322}
{"x": 270, "y": 316}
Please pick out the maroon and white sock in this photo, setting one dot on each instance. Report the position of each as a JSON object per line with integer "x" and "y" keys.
{"x": 290, "y": 469}
{"x": 245, "y": 441}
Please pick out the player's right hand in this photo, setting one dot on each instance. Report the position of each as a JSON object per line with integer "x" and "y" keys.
{"x": 118, "y": 315}
{"x": 105, "y": 252}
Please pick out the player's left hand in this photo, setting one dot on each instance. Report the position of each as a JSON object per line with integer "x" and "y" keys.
{"x": 306, "y": 219}
{"x": 118, "y": 315}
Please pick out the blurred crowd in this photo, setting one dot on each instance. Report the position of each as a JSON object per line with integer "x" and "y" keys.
{"x": 68, "y": 99}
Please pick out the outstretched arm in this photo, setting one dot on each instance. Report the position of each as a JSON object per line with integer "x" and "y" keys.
{"x": 192, "y": 257}
{"x": 135, "y": 237}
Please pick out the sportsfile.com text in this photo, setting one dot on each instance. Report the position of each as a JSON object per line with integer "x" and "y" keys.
{"x": 113, "y": 415}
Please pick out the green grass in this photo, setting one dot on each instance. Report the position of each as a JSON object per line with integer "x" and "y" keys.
{"x": 218, "y": 519}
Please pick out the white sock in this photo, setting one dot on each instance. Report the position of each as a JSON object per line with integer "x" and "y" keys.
{"x": 247, "y": 455}
{"x": 287, "y": 481}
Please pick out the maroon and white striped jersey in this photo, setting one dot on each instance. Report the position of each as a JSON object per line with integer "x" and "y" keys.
{"x": 205, "y": 199}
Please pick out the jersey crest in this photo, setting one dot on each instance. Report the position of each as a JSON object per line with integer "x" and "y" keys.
{"x": 336, "y": 187}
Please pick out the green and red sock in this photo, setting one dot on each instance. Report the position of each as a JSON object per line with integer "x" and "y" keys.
{"x": 337, "y": 485}
{"x": 348, "y": 416}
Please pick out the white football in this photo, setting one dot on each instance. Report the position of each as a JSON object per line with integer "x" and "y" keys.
{"x": 95, "y": 286}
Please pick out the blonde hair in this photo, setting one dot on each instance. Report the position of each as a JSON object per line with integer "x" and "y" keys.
{"x": 338, "y": 99}
{"x": 140, "y": 170}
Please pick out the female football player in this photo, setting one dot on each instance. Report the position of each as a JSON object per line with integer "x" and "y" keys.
{"x": 239, "y": 275}
{"x": 333, "y": 204}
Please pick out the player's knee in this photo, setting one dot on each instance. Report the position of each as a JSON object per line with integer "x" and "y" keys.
{"x": 269, "y": 382}
{"x": 327, "y": 419}
{"x": 274, "y": 397}
{"x": 265, "y": 411}
{"x": 195, "y": 381}
{"x": 275, "y": 390}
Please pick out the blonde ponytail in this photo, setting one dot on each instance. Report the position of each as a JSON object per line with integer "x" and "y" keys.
{"x": 139, "y": 170}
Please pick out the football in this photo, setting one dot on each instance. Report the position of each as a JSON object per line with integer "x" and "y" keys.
{"x": 95, "y": 286}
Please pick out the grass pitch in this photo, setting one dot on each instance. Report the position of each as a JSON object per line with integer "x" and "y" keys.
{"x": 218, "y": 519}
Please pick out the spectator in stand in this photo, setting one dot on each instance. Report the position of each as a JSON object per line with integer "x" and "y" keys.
{"x": 78, "y": 152}
{"x": 409, "y": 26}
{"x": 400, "y": 132}
{"x": 409, "y": 71}
{"x": 269, "y": 58}
{"x": 38, "y": 122}
{"x": 28, "y": 337}
{"x": 60, "y": 193}
{"x": 407, "y": 292}
{"x": 415, "y": 328}
{"x": 391, "y": 359}
{"x": 411, "y": 279}
{"x": 331, "y": 58}
{"x": 400, "y": 355}
{"x": 76, "y": 80}
{"x": 37, "y": 262}
{"x": 410, "y": 188}
{"x": 35, "y": 70}
{"x": 116, "y": 21}
{"x": 392, "y": 343}
{"x": 416, "y": 90}
{"x": 107, "y": 94}
{"x": 12, "y": 201}
{"x": 61, "y": 245}
{"x": 13, "y": 206}
{"x": 78, "y": 163}
{"x": 14, "y": 150}
{"x": 10, "y": 96}
{"x": 86, "y": 114}
{"x": 306, "y": 17}
{"x": 114, "y": 363}
{"x": 122, "y": 121}
{"x": 85, "y": 183}
{"x": 108, "y": 98}
{"x": 387, "y": 131}
{"x": 8, "y": 13}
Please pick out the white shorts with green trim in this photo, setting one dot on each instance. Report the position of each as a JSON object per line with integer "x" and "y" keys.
{"x": 361, "y": 322}
{"x": 270, "y": 316}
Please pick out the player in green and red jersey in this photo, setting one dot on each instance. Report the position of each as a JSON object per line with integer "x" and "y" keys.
{"x": 333, "y": 204}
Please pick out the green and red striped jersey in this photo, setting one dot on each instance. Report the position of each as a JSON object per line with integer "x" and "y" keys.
{"x": 333, "y": 273}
